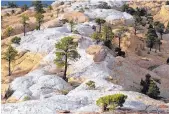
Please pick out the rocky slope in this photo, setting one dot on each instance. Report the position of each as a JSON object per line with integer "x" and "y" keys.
{"x": 43, "y": 91}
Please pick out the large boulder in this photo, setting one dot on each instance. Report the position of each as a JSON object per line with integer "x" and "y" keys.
{"x": 38, "y": 84}
{"x": 98, "y": 52}
{"x": 75, "y": 16}
{"x": 52, "y": 24}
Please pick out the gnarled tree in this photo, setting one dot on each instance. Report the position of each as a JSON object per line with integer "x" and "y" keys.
{"x": 66, "y": 50}
{"x": 9, "y": 56}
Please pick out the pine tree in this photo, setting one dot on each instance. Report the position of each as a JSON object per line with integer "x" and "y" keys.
{"x": 72, "y": 24}
{"x": 24, "y": 7}
{"x": 38, "y": 6}
{"x": 151, "y": 38}
{"x": 150, "y": 88}
{"x": 120, "y": 34}
{"x": 100, "y": 22}
{"x": 97, "y": 36}
{"x": 65, "y": 50}
{"x": 25, "y": 18}
{"x": 107, "y": 33}
{"x": 39, "y": 19}
{"x": 10, "y": 55}
{"x": 137, "y": 22}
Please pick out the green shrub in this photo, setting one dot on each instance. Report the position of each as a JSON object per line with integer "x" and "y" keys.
{"x": 153, "y": 90}
{"x": 150, "y": 88}
{"x": 26, "y": 98}
{"x": 91, "y": 84}
{"x": 16, "y": 40}
{"x": 110, "y": 102}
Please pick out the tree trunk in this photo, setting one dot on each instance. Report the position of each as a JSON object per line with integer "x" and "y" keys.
{"x": 135, "y": 30}
{"x": 24, "y": 29}
{"x": 159, "y": 47}
{"x": 119, "y": 42}
{"x": 9, "y": 67}
{"x": 161, "y": 35}
{"x": 100, "y": 28}
{"x": 65, "y": 70}
{"x": 39, "y": 26}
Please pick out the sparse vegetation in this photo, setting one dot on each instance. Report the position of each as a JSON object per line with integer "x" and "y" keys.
{"x": 91, "y": 84}
{"x": 9, "y": 30}
{"x": 110, "y": 102}
{"x": 150, "y": 88}
{"x": 97, "y": 37}
{"x": 26, "y": 98}
{"x": 50, "y": 7}
{"x": 16, "y": 40}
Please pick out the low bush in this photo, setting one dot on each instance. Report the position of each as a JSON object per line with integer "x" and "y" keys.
{"x": 110, "y": 102}
{"x": 91, "y": 84}
{"x": 26, "y": 98}
{"x": 16, "y": 40}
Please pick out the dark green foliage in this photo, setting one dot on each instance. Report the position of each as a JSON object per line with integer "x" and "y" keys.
{"x": 8, "y": 93}
{"x": 153, "y": 90}
{"x": 103, "y": 5}
{"x": 91, "y": 84}
{"x": 50, "y": 7}
{"x": 72, "y": 24}
{"x": 16, "y": 40}
{"x": 108, "y": 44}
{"x": 9, "y": 56}
{"x": 97, "y": 36}
{"x": 39, "y": 19}
{"x": 65, "y": 50}
{"x": 160, "y": 28}
{"x": 24, "y": 8}
{"x": 24, "y": 22}
{"x": 149, "y": 87}
{"x": 141, "y": 11}
{"x": 167, "y": 29}
{"x": 100, "y": 22}
{"x": 12, "y": 5}
{"x": 168, "y": 61}
{"x": 149, "y": 19}
{"x": 151, "y": 38}
{"x": 137, "y": 22}
{"x": 107, "y": 35}
{"x": 119, "y": 52}
{"x": 126, "y": 8}
{"x": 13, "y": 11}
{"x": 38, "y": 6}
{"x": 9, "y": 30}
{"x": 153, "y": 67}
{"x": 110, "y": 102}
